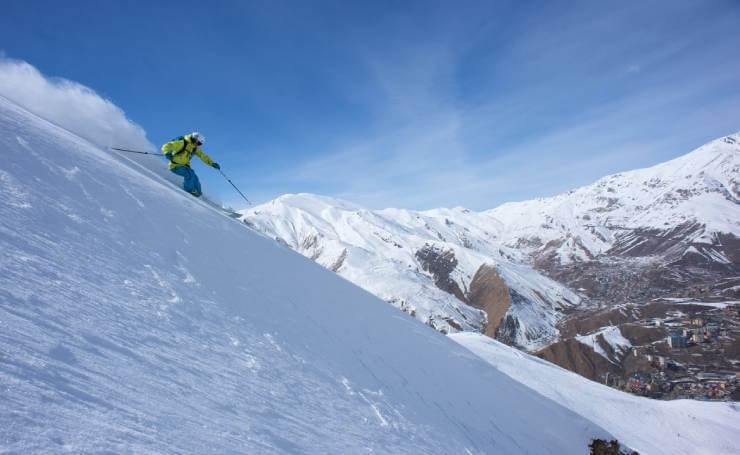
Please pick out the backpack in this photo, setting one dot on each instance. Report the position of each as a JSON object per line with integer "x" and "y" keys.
{"x": 184, "y": 144}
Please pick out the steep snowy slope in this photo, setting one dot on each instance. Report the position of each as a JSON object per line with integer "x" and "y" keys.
{"x": 136, "y": 319}
{"x": 648, "y": 426}
{"x": 445, "y": 267}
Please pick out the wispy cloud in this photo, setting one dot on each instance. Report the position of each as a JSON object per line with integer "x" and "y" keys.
{"x": 557, "y": 113}
{"x": 69, "y": 105}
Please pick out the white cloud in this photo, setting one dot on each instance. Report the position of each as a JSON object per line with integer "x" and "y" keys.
{"x": 70, "y": 105}
{"x": 456, "y": 155}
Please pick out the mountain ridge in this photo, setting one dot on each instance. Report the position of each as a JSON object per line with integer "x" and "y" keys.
{"x": 420, "y": 263}
{"x": 678, "y": 217}
{"x": 644, "y": 198}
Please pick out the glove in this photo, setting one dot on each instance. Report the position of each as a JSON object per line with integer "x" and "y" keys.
{"x": 216, "y": 165}
{"x": 168, "y": 155}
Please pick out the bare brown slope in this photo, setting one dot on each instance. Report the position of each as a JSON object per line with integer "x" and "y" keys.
{"x": 489, "y": 293}
{"x": 577, "y": 357}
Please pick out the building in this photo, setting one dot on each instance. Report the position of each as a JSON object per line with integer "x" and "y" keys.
{"x": 677, "y": 341}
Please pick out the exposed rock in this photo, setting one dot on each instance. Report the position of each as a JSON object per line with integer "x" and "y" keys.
{"x": 549, "y": 257}
{"x": 489, "y": 293}
{"x": 312, "y": 247}
{"x": 640, "y": 336}
{"x": 340, "y": 260}
{"x": 580, "y": 358}
{"x": 730, "y": 246}
{"x": 440, "y": 263}
{"x": 453, "y": 323}
{"x": 670, "y": 243}
{"x": 589, "y": 322}
{"x": 507, "y": 330}
{"x": 528, "y": 243}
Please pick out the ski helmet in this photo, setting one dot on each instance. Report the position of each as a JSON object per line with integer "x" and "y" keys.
{"x": 197, "y": 138}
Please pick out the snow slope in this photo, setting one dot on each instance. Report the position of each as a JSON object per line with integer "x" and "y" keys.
{"x": 379, "y": 251}
{"x": 137, "y": 319}
{"x": 648, "y": 426}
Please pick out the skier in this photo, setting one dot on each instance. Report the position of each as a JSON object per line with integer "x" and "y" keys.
{"x": 179, "y": 151}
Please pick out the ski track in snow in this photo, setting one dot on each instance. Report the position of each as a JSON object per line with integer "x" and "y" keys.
{"x": 135, "y": 319}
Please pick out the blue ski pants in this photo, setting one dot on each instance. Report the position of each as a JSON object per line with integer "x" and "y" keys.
{"x": 191, "y": 184}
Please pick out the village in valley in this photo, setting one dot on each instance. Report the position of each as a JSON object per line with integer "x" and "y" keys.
{"x": 692, "y": 351}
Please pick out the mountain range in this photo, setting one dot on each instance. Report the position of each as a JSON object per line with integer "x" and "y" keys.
{"x": 516, "y": 271}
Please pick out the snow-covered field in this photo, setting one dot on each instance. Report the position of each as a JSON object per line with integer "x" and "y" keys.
{"x": 648, "y": 426}
{"x": 137, "y": 319}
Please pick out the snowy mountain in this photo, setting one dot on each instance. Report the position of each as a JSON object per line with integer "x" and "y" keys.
{"x": 510, "y": 272}
{"x": 137, "y": 319}
{"x": 445, "y": 267}
{"x": 640, "y": 234}
{"x": 692, "y": 200}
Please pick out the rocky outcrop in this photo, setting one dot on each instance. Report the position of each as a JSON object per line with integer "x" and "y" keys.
{"x": 507, "y": 331}
{"x": 311, "y": 246}
{"x": 669, "y": 243}
{"x": 339, "y": 262}
{"x": 488, "y": 292}
{"x": 440, "y": 264}
{"x": 730, "y": 246}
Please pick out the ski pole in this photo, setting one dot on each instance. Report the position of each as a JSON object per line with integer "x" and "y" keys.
{"x": 232, "y": 184}
{"x": 136, "y": 151}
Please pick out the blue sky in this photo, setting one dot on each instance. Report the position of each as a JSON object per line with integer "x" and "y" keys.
{"x": 401, "y": 103}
